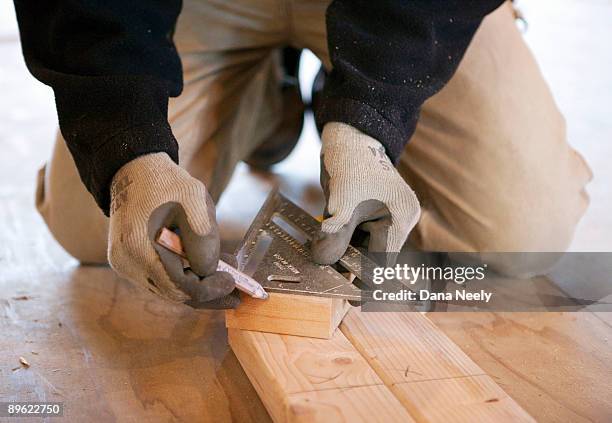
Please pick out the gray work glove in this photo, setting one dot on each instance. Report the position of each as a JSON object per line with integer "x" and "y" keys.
{"x": 152, "y": 192}
{"x": 363, "y": 189}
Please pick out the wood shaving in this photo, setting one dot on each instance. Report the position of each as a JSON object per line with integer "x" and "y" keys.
{"x": 24, "y": 362}
{"x": 21, "y": 298}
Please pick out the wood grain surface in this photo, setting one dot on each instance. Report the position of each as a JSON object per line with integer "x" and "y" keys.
{"x": 556, "y": 365}
{"x": 400, "y": 363}
{"x": 315, "y": 380}
{"x": 426, "y": 371}
{"x": 289, "y": 314}
{"x": 107, "y": 350}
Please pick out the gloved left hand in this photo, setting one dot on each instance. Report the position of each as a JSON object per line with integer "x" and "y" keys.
{"x": 362, "y": 189}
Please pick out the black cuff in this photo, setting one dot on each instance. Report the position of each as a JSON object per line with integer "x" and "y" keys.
{"x": 113, "y": 154}
{"x": 369, "y": 121}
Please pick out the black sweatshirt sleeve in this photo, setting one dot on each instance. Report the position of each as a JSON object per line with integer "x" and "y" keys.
{"x": 389, "y": 56}
{"x": 112, "y": 66}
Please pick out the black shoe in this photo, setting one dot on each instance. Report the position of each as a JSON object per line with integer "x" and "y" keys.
{"x": 284, "y": 139}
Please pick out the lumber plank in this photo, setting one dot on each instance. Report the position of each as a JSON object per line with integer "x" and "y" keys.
{"x": 404, "y": 347}
{"x": 459, "y": 400}
{"x": 375, "y": 403}
{"x": 554, "y": 364}
{"x": 308, "y": 379}
{"x": 426, "y": 371}
{"x": 289, "y": 314}
{"x": 304, "y": 364}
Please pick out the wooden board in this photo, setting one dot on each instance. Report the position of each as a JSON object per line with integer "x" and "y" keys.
{"x": 426, "y": 371}
{"x": 314, "y": 380}
{"x": 556, "y": 365}
{"x": 300, "y": 315}
{"x": 404, "y": 356}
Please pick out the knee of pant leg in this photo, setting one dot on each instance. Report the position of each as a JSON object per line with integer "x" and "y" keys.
{"x": 87, "y": 252}
{"x": 524, "y": 243}
{"x": 86, "y": 244}
{"x": 541, "y": 224}
{"x": 540, "y": 230}
{"x": 81, "y": 229}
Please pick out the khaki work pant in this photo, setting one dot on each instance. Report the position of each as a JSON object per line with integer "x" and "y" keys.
{"x": 489, "y": 160}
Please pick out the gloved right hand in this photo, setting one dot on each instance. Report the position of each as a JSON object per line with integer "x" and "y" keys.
{"x": 152, "y": 192}
{"x": 363, "y": 191}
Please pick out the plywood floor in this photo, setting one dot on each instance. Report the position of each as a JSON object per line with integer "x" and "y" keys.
{"x": 111, "y": 353}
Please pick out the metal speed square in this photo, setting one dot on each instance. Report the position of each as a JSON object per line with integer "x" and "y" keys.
{"x": 306, "y": 299}
{"x": 275, "y": 252}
